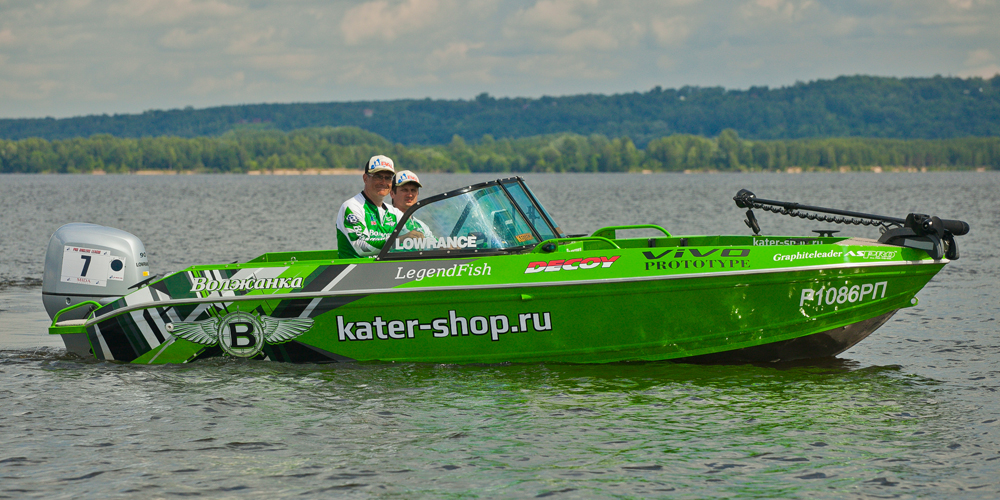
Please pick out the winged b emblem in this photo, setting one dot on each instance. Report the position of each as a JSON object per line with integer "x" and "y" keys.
{"x": 241, "y": 334}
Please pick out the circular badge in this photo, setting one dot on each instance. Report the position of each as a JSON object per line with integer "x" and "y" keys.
{"x": 241, "y": 334}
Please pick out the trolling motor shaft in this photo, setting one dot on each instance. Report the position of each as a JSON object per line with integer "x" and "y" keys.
{"x": 929, "y": 233}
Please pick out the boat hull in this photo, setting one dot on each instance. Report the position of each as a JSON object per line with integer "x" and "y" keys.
{"x": 636, "y": 309}
{"x": 818, "y": 345}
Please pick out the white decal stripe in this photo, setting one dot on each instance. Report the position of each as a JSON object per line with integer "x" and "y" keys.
{"x": 159, "y": 323}
{"x": 197, "y": 311}
{"x": 309, "y": 309}
{"x": 315, "y": 302}
{"x": 217, "y": 276}
{"x": 139, "y": 297}
{"x": 339, "y": 277}
{"x": 273, "y": 272}
{"x": 103, "y": 344}
{"x": 243, "y": 274}
{"x": 190, "y": 276}
{"x": 163, "y": 348}
{"x": 144, "y": 328}
{"x": 172, "y": 314}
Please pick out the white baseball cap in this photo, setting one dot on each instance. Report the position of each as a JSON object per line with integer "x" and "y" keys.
{"x": 379, "y": 163}
{"x": 405, "y": 176}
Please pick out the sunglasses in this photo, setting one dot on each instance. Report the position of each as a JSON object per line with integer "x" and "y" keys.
{"x": 383, "y": 177}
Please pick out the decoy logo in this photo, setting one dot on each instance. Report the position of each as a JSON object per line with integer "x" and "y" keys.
{"x": 241, "y": 334}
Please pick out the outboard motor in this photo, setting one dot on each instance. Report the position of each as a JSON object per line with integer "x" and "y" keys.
{"x": 89, "y": 262}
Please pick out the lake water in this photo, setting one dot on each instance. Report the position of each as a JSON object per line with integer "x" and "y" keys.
{"x": 911, "y": 412}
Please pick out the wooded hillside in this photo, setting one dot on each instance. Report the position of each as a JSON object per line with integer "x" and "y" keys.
{"x": 349, "y": 147}
{"x": 850, "y": 106}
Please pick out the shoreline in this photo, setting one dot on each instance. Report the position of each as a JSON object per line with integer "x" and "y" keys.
{"x": 346, "y": 171}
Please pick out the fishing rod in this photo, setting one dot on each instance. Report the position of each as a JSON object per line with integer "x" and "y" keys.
{"x": 931, "y": 233}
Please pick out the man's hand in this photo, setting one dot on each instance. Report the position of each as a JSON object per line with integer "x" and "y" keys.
{"x": 412, "y": 234}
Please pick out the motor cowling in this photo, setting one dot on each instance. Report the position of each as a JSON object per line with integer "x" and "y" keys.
{"x": 90, "y": 262}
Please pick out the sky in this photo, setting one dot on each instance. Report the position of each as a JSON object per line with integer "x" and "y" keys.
{"x": 61, "y": 58}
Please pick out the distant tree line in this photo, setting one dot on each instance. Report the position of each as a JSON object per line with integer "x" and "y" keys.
{"x": 850, "y": 106}
{"x": 349, "y": 147}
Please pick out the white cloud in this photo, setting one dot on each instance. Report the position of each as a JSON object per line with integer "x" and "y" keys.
{"x": 670, "y": 30}
{"x": 381, "y": 20}
{"x": 210, "y": 84}
{"x": 7, "y": 37}
{"x": 300, "y": 67}
{"x": 251, "y": 41}
{"x": 554, "y": 67}
{"x": 987, "y": 71}
{"x": 961, "y": 4}
{"x": 559, "y": 15}
{"x": 171, "y": 11}
{"x": 455, "y": 54}
{"x": 67, "y": 57}
{"x": 180, "y": 38}
{"x": 981, "y": 63}
{"x": 979, "y": 56}
{"x": 587, "y": 39}
{"x": 783, "y": 10}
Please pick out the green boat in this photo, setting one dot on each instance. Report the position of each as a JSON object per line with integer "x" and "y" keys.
{"x": 495, "y": 280}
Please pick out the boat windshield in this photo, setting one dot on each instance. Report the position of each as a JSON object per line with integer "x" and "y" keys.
{"x": 537, "y": 216}
{"x": 495, "y": 217}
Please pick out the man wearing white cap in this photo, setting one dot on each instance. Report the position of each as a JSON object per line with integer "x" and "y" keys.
{"x": 365, "y": 221}
{"x": 405, "y": 189}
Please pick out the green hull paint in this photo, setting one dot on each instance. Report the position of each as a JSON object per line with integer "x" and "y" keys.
{"x": 682, "y": 302}
{"x": 648, "y": 320}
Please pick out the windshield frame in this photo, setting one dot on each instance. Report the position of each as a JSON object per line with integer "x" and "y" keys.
{"x": 386, "y": 254}
{"x": 543, "y": 214}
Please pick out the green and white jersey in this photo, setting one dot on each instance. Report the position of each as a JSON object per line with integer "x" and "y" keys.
{"x": 363, "y": 227}
{"x": 414, "y": 224}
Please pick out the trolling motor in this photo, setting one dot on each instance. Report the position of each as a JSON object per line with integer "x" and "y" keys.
{"x": 934, "y": 235}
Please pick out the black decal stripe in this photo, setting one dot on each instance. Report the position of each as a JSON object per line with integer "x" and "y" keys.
{"x": 212, "y": 351}
{"x": 291, "y": 308}
{"x": 162, "y": 311}
{"x": 275, "y": 353}
{"x": 334, "y": 356}
{"x": 109, "y": 307}
{"x": 297, "y": 352}
{"x": 160, "y": 286}
{"x": 323, "y": 278}
{"x": 330, "y": 303}
{"x": 185, "y": 310}
{"x": 152, "y": 325}
{"x": 134, "y": 334}
{"x": 117, "y": 340}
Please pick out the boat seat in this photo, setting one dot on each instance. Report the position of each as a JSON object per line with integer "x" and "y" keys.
{"x": 71, "y": 322}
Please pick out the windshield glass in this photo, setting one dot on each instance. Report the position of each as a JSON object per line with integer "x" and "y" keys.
{"x": 534, "y": 217}
{"x": 481, "y": 219}
{"x": 559, "y": 231}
